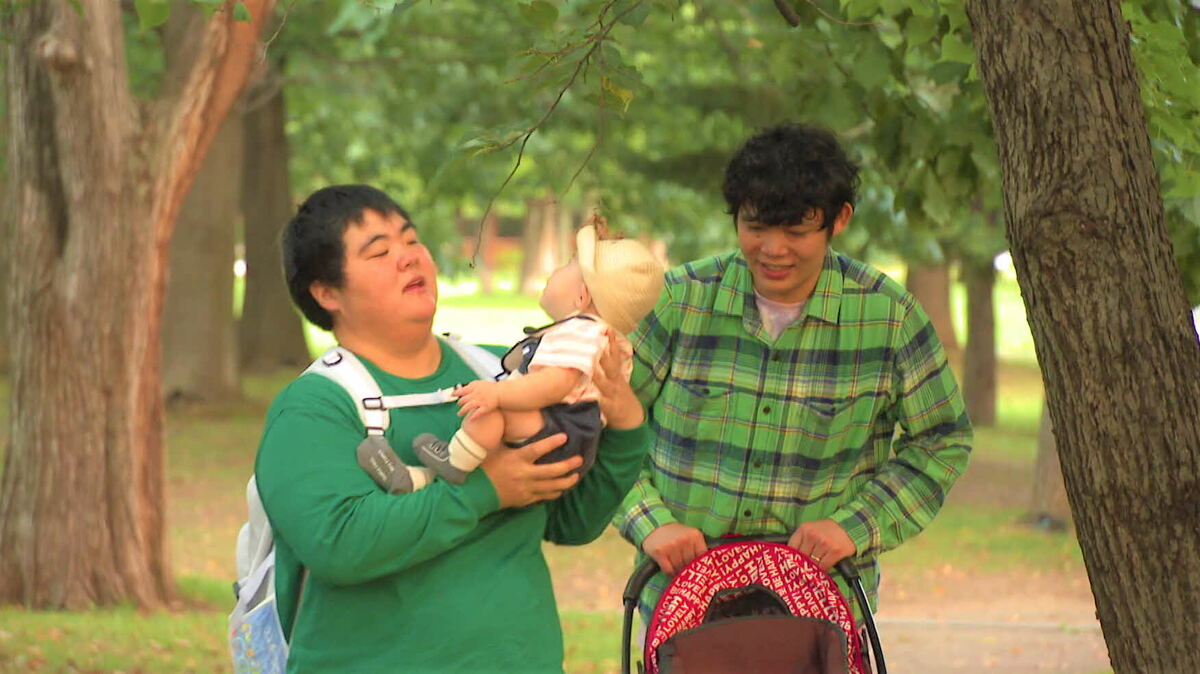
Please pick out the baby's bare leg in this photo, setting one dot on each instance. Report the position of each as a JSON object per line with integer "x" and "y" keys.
{"x": 522, "y": 424}
{"x": 486, "y": 428}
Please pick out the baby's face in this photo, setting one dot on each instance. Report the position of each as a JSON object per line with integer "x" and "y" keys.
{"x": 564, "y": 293}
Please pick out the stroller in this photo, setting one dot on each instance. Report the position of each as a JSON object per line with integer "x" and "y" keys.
{"x": 751, "y": 604}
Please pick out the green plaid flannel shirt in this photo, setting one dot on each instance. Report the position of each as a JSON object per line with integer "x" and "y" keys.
{"x": 757, "y": 436}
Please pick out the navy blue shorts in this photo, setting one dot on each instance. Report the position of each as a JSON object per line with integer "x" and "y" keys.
{"x": 581, "y": 422}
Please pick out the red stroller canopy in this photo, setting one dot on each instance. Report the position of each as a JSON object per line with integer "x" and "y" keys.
{"x": 806, "y": 618}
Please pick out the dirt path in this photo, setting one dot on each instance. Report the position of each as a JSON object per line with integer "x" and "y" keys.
{"x": 994, "y": 623}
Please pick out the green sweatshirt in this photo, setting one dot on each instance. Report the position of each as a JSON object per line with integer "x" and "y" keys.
{"x": 437, "y": 580}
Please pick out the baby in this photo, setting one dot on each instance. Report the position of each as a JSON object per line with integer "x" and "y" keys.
{"x": 606, "y": 288}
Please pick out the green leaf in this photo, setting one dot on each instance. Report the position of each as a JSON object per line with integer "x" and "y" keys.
{"x": 352, "y": 16}
{"x": 611, "y": 55}
{"x": 152, "y": 13}
{"x": 624, "y": 95}
{"x": 924, "y": 8}
{"x": 637, "y": 16}
{"x": 956, "y": 10}
{"x": 948, "y": 71}
{"x": 918, "y": 30}
{"x": 539, "y": 14}
{"x": 955, "y": 50}
{"x": 1184, "y": 185}
{"x": 873, "y": 67}
{"x": 893, "y": 7}
{"x": 241, "y": 12}
{"x": 860, "y": 9}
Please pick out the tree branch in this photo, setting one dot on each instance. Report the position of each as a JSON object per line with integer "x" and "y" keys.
{"x": 789, "y": 14}
{"x": 597, "y": 39}
{"x": 212, "y": 87}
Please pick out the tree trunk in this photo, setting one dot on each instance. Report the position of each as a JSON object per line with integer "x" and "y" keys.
{"x": 930, "y": 284}
{"x": 1107, "y": 310}
{"x": 6, "y": 251}
{"x": 199, "y": 352}
{"x": 270, "y": 332}
{"x": 487, "y": 252}
{"x": 1048, "y": 509}
{"x": 531, "y": 235}
{"x": 565, "y": 235}
{"x": 95, "y": 189}
{"x": 5, "y": 285}
{"x": 547, "y": 249}
{"x": 979, "y": 359}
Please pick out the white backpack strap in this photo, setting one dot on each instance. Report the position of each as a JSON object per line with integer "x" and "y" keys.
{"x": 442, "y": 395}
{"x": 485, "y": 363}
{"x": 348, "y": 371}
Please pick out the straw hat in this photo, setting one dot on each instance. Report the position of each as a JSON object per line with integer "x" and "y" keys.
{"x": 622, "y": 276}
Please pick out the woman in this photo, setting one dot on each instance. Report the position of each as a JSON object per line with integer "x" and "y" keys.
{"x": 448, "y": 577}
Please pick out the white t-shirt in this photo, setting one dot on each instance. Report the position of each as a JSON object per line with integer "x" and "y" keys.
{"x": 777, "y": 316}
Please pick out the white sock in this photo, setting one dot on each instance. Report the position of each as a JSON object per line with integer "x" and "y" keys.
{"x": 465, "y": 453}
{"x": 421, "y": 476}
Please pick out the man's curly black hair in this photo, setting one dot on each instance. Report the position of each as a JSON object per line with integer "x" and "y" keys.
{"x": 785, "y": 171}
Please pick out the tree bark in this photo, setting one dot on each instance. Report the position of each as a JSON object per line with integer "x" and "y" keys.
{"x": 199, "y": 351}
{"x": 930, "y": 284}
{"x": 979, "y": 359}
{"x": 1107, "y": 310}
{"x": 547, "y": 249}
{"x": 5, "y": 257}
{"x": 95, "y": 186}
{"x": 270, "y": 332}
{"x": 486, "y": 258}
{"x": 531, "y": 235}
{"x": 1048, "y": 508}
{"x": 7, "y": 286}
{"x": 565, "y": 236}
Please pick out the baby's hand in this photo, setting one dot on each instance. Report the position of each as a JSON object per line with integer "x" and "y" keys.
{"x": 478, "y": 397}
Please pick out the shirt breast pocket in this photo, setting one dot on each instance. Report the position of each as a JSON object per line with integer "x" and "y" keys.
{"x": 824, "y": 420}
{"x": 701, "y": 408}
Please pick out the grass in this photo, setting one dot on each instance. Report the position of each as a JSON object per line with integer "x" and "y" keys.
{"x": 210, "y": 452}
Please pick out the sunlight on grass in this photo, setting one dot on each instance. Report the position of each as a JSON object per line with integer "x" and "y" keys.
{"x": 112, "y": 640}
{"x": 591, "y": 641}
{"x": 985, "y": 539}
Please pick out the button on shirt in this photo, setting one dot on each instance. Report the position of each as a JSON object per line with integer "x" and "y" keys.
{"x": 757, "y": 435}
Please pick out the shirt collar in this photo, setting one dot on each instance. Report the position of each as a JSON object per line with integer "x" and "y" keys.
{"x": 826, "y": 301}
{"x": 737, "y": 289}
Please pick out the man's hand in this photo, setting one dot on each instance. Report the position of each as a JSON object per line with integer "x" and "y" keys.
{"x": 825, "y": 541}
{"x": 478, "y": 397}
{"x": 520, "y": 482}
{"x": 620, "y": 406}
{"x": 673, "y": 545}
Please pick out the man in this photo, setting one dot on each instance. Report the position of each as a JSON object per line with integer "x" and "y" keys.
{"x": 449, "y": 577}
{"x": 775, "y": 376}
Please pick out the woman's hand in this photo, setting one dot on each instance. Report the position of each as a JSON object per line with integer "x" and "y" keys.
{"x": 620, "y": 406}
{"x": 520, "y": 482}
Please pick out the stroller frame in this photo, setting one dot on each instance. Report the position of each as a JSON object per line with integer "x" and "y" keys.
{"x": 648, "y": 568}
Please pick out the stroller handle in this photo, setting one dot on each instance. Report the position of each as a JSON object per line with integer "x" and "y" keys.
{"x": 648, "y": 568}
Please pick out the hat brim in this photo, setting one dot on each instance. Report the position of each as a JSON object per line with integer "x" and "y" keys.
{"x": 585, "y": 251}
